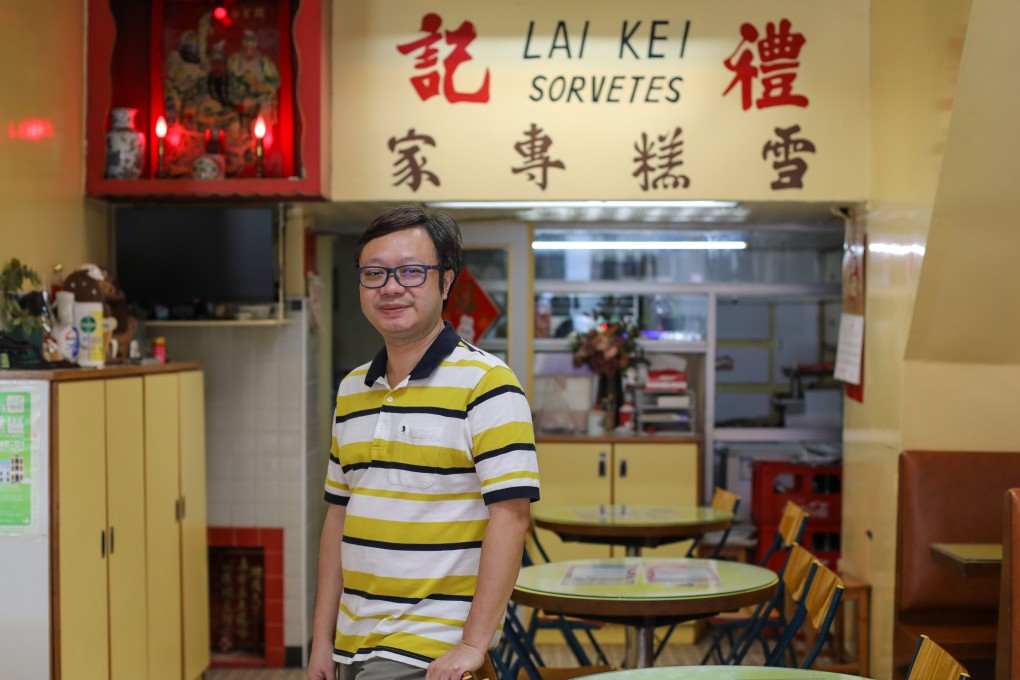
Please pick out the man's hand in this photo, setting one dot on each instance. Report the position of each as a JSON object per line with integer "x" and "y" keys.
{"x": 320, "y": 664}
{"x": 456, "y": 662}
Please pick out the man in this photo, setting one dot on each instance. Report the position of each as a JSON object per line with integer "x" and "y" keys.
{"x": 430, "y": 479}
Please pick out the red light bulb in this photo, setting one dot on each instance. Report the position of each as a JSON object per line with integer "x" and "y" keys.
{"x": 220, "y": 13}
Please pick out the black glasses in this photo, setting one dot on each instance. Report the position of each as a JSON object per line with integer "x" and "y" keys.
{"x": 407, "y": 275}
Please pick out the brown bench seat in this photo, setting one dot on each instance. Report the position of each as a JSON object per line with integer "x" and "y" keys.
{"x": 948, "y": 497}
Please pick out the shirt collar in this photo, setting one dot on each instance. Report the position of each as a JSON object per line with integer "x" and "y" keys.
{"x": 441, "y": 347}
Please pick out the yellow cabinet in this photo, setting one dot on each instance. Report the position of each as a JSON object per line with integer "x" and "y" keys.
{"x": 615, "y": 472}
{"x": 130, "y": 566}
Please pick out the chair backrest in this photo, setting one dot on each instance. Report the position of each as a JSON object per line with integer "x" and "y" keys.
{"x": 795, "y": 578}
{"x": 791, "y": 530}
{"x": 487, "y": 671}
{"x": 1007, "y": 659}
{"x": 817, "y": 591}
{"x": 931, "y": 662}
{"x": 725, "y": 501}
{"x": 821, "y": 604}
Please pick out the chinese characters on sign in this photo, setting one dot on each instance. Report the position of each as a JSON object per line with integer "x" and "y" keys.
{"x": 778, "y": 54}
{"x": 427, "y": 84}
{"x": 765, "y": 66}
{"x": 471, "y": 311}
{"x": 791, "y": 169}
{"x": 410, "y": 162}
{"x": 535, "y": 149}
{"x": 658, "y": 164}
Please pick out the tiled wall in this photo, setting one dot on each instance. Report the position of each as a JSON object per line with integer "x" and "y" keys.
{"x": 264, "y": 462}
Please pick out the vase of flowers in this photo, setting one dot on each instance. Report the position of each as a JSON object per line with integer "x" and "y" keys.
{"x": 608, "y": 348}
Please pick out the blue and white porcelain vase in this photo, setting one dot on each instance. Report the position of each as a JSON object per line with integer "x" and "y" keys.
{"x": 125, "y": 146}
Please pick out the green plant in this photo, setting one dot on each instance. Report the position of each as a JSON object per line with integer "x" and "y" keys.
{"x": 13, "y": 276}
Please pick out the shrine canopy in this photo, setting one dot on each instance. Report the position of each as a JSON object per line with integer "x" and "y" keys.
{"x": 645, "y": 100}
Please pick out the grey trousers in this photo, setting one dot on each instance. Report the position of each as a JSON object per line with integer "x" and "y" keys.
{"x": 379, "y": 669}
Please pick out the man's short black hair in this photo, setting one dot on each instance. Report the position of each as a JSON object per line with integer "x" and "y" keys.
{"x": 440, "y": 226}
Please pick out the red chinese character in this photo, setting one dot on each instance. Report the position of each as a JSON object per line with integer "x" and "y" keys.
{"x": 427, "y": 84}
{"x": 778, "y": 53}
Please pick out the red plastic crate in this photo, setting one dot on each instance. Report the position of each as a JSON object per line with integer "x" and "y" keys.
{"x": 821, "y": 539}
{"x": 816, "y": 488}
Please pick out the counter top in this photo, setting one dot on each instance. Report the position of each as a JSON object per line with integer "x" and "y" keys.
{"x": 111, "y": 371}
{"x": 618, "y": 439}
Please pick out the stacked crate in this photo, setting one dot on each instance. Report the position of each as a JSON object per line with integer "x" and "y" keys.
{"x": 816, "y": 488}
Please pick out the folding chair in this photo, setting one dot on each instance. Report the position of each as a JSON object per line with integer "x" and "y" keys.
{"x": 818, "y": 603}
{"x": 517, "y": 658}
{"x": 727, "y": 625}
{"x": 567, "y": 626}
{"x": 931, "y": 662}
{"x": 795, "y": 581}
{"x": 723, "y": 501}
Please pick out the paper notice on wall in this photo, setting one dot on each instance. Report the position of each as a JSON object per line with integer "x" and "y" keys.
{"x": 23, "y": 424}
{"x": 849, "y": 352}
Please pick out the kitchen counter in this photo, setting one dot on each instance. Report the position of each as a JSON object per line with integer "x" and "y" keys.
{"x": 122, "y": 370}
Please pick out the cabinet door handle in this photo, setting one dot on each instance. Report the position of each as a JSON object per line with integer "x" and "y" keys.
{"x": 183, "y": 508}
{"x": 602, "y": 467}
{"x": 177, "y": 510}
{"x": 623, "y": 467}
{"x": 111, "y": 539}
{"x": 102, "y": 544}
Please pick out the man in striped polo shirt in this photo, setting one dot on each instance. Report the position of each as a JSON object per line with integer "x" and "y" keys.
{"x": 430, "y": 476}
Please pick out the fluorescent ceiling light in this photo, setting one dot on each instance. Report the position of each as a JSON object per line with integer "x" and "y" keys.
{"x": 524, "y": 205}
{"x": 638, "y": 245}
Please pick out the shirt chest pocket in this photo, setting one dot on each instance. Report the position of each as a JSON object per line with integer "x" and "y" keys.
{"x": 417, "y": 461}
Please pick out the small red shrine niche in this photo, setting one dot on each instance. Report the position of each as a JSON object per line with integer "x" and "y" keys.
{"x": 216, "y": 72}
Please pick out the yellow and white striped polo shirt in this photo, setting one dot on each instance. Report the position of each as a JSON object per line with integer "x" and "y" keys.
{"x": 416, "y": 465}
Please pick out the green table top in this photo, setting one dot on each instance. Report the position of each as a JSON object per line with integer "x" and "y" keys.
{"x": 719, "y": 673}
{"x": 631, "y": 515}
{"x": 637, "y": 579}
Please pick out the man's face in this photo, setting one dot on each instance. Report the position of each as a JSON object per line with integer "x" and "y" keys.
{"x": 404, "y": 314}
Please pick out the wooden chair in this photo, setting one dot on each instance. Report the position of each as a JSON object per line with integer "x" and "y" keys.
{"x": 534, "y": 553}
{"x": 795, "y": 582}
{"x": 730, "y": 624}
{"x": 818, "y": 603}
{"x": 517, "y": 658}
{"x": 931, "y": 662}
{"x": 723, "y": 501}
{"x": 1007, "y": 646}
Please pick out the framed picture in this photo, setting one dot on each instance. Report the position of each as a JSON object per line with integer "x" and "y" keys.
{"x": 217, "y": 69}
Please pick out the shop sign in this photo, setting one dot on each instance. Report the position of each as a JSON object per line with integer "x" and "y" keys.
{"x": 644, "y": 100}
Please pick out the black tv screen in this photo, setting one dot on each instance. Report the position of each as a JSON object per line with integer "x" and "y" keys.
{"x": 171, "y": 256}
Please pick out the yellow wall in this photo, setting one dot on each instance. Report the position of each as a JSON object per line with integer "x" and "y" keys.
{"x": 45, "y": 217}
{"x": 941, "y": 350}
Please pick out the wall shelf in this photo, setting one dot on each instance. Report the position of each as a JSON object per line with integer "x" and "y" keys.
{"x": 213, "y": 323}
{"x": 122, "y": 67}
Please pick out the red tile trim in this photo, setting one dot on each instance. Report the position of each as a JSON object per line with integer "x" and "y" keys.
{"x": 271, "y": 542}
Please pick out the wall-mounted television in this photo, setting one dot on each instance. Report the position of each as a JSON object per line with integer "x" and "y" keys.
{"x": 168, "y": 256}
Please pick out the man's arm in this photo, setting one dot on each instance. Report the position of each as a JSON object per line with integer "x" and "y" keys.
{"x": 502, "y": 547}
{"x": 327, "y": 602}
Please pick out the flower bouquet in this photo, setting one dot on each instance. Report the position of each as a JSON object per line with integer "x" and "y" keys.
{"x": 608, "y": 349}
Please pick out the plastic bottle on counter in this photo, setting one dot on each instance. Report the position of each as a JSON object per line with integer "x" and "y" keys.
{"x": 596, "y": 421}
{"x": 625, "y": 414}
{"x": 159, "y": 349}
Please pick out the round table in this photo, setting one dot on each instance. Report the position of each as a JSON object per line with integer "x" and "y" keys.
{"x": 632, "y": 526}
{"x": 720, "y": 673}
{"x": 643, "y": 592}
